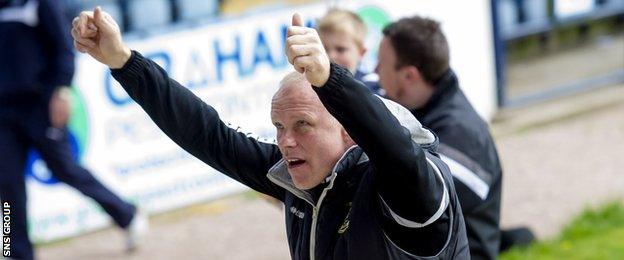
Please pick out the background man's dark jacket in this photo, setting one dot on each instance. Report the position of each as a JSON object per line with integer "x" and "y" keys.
{"x": 467, "y": 147}
{"x": 36, "y": 53}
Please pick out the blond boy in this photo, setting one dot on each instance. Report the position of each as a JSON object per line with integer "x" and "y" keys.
{"x": 343, "y": 34}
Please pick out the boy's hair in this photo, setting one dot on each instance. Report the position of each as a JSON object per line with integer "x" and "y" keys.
{"x": 343, "y": 21}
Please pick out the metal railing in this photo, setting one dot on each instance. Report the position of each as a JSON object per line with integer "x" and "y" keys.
{"x": 517, "y": 19}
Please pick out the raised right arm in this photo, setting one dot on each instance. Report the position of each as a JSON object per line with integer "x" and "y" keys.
{"x": 196, "y": 126}
{"x": 188, "y": 121}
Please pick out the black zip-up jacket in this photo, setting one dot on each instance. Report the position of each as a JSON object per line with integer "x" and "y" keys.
{"x": 393, "y": 202}
{"x": 468, "y": 149}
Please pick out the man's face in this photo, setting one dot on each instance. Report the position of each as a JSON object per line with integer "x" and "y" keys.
{"x": 310, "y": 139}
{"x": 342, "y": 49}
{"x": 389, "y": 77}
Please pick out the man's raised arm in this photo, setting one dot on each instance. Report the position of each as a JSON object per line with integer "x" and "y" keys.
{"x": 186, "y": 119}
{"x": 410, "y": 186}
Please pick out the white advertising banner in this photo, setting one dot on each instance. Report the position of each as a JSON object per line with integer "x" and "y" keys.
{"x": 235, "y": 66}
{"x": 570, "y": 8}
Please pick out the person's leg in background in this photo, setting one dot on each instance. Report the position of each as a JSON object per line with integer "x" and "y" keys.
{"x": 52, "y": 144}
{"x": 57, "y": 155}
{"x": 13, "y": 187}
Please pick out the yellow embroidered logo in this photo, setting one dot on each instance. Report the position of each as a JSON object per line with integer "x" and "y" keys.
{"x": 344, "y": 226}
{"x": 345, "y": 223}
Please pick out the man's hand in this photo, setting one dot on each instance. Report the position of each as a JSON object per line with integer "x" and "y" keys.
{"x": 60, "y": 107}
{"x": 305, "y": 52}
{"x": 97, "y": 34}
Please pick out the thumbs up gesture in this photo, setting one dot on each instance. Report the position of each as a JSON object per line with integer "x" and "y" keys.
{"x": 97, "y": 34}
{"x": 305, "y": 52}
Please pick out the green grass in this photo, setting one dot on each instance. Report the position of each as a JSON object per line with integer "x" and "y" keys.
{"x": 595, "y": 234}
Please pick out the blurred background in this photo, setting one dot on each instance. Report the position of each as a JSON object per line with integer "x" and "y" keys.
{"x": 547, "y": 74}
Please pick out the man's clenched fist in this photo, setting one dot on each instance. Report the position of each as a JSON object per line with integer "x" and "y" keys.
{"x": 305, "y": 52}
{"x": 97, "y": 34}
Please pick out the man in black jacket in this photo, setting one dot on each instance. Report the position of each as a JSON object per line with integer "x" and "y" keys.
{"x": 420, "y": 79}
{"x": 355, "y": 185}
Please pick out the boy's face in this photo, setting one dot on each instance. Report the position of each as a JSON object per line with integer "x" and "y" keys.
{"x": 342, "y": 49}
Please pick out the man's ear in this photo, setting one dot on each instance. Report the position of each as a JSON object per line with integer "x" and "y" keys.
{"x": 412, "y": 74}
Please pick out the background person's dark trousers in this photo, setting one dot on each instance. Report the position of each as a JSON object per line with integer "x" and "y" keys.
{"x": 27, "y": 125}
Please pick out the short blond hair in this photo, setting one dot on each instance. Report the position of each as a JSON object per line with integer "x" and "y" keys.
{"x": 343, "y": 21}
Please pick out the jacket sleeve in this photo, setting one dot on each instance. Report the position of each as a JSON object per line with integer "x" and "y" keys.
{"x": 196, "y": 126}
{"x": 410, "y": 187}
{"x": 59, "y": 47}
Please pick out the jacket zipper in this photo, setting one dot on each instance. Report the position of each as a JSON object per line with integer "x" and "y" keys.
{"x": 315, "y": 210}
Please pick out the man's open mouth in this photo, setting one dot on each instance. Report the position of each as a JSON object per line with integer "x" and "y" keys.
{"x": 294, "y": 162}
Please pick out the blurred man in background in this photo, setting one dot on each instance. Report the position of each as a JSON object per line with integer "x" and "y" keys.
{"x": 343, "y": 34}
{"x": 36, "y": 68}
{"x": 414, "y": 71}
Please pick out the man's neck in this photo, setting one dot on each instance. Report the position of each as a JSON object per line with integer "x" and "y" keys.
{"x": 418, "y": 96}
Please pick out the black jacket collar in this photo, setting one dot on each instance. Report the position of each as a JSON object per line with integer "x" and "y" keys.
{"x": 444, "y": 89}
{"x": 278, "y": 174}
